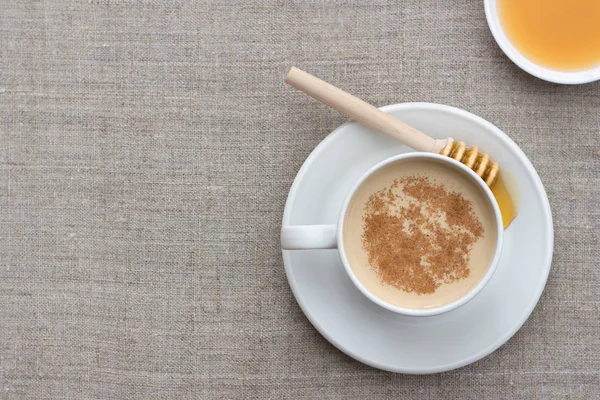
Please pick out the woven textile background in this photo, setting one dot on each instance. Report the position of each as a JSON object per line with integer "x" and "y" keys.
{"x": 146, "y": 151}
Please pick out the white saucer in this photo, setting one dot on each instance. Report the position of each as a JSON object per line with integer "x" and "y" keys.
{"x": 416, "y": 345}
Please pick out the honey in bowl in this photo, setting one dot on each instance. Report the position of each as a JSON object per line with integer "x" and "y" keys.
{"x": 562, "y": 35}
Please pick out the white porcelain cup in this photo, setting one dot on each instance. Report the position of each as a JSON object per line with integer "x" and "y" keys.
{"x": 304, "y": 237}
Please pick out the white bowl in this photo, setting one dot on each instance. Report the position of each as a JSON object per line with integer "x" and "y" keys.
{"x": 550, "y": 75}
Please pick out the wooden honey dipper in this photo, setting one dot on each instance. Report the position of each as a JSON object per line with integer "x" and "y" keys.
{"x": 380, "y": 121}
{"x": 480, "y": 163}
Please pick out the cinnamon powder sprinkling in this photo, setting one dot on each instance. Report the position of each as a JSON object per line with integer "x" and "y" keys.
{"x": 418, "y": 235}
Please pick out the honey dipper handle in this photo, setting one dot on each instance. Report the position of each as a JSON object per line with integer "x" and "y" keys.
{"x": 361, "y": 111}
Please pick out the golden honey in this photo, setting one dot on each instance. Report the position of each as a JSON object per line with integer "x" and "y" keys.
{"x": 505, "y": 202}
{"x": 557, "y": 34}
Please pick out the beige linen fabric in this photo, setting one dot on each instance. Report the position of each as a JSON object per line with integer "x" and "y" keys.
{"x": 146, "y": 151}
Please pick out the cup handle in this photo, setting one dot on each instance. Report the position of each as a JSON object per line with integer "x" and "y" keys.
{"x": 304, "y": 237}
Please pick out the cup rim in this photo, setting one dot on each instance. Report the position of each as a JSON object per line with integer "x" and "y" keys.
{"x": 547, "y": 74}
{"x": 447, "y": 307}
